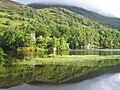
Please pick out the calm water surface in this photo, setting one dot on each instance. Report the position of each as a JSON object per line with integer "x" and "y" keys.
{"x": 21, "y": 55}
{"x": 104, "y": 82}
{"x": 94, "y": 78}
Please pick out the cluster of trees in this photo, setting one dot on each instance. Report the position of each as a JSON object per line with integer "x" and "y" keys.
{"x": 106, "y": 21}
{"x": 52, "y": 42}
{"x": 11, "y": 39}
{"x": 60, "y": 28}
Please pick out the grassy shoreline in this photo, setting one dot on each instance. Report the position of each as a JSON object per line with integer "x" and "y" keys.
{"x": 78, "y": 60}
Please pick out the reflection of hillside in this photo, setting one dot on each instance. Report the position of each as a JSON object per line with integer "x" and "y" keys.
{"x": 53, "y": 74}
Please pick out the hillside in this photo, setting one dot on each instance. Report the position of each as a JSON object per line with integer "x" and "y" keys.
{"x": 106, "y": 21}
{"x": 53, "y": 22}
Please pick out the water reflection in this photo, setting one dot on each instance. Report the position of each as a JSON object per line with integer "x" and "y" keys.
{"x": 103, "y": 82}
{"x": 15, "y": 75}
{"x": 31, "y": 77}
{"x": 22, "y": 55}
{"x": 95, "y": 52}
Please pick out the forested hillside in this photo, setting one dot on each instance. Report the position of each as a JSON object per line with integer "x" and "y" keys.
{"x": 54, "y": 27}
{"x": 106, "y": 21}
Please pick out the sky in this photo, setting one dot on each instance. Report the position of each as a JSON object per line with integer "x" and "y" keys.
{"x": 110, "y": 8}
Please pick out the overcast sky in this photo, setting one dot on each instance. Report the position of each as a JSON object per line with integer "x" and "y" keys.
{"x": 104, "y": 7}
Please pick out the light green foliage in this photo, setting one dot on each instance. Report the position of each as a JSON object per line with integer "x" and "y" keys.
{"x": 12, "y": 39}
{"x": 49, "y": 43}
{"x": 63, "y": 45}
{"x": 53, "y": 22}
{"x": 2, "y": 54}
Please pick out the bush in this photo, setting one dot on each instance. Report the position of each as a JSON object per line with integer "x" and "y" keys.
{"x": 2, "y": 54}
{"x": 12, "y": 39}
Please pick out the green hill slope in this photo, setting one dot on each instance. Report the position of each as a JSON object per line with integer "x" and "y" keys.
{"x": 53, "y": 22}
{"x": 107, "y": 21}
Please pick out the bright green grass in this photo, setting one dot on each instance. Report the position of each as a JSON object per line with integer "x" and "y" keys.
{"x": 87, "y": 60}
{"x": 3, "y": 20}
{"x": 15, "y": 23}
{"x": 3, "y": 13}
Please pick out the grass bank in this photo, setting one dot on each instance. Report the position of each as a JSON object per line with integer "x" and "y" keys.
{"x": 77, "y": 60}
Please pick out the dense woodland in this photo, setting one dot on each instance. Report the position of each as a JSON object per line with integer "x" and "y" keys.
{"x": 54, "y": 27}
{"x": 106, "y": 21}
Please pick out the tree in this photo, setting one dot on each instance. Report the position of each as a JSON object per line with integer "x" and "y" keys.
{"x": 63, "y": 45}
{"x": 12, "y": 39}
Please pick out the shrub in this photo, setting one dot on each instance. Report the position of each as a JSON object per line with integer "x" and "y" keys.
{"x": 2, "y": 54}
